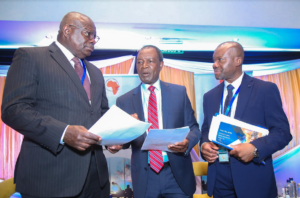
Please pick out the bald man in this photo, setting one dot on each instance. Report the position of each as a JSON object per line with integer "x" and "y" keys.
{"x": 240, "y": 172}
{"x": 52, "y": 96}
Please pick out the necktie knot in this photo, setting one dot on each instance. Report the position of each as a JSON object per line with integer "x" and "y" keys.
{"x": 76, "y": 60}
{"x": 230, "y": 87}
{"x": 151, "y": 88}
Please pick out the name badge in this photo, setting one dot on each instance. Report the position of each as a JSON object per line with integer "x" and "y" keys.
{"x": 223, "y": 155}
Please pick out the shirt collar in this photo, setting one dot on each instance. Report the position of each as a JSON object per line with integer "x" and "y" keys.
{"x": 65, "y": 51}
{"x": 145, "y": 87}
{"x": 236, "y": 83}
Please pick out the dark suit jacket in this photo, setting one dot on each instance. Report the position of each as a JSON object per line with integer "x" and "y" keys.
{"x": 42, "y": 95}
{"x": 259, "y": 103}
{"x": 177, "y": 112}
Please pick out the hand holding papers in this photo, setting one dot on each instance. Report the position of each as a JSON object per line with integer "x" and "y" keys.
{"x": 227, "y": 131}
{"x": 117, "y": 127}
{"x": 159, "y": 139}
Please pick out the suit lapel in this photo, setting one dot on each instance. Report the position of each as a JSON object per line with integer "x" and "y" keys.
{"x": 137, "y": 103}
{"x": 61, "y": 59}
{"x": 165, "y": 99}
{"x": 244, "y": 95}
{"x": 217, "y": 98}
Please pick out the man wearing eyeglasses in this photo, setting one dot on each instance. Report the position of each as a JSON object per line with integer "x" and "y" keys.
{"x": 52, "y": 96}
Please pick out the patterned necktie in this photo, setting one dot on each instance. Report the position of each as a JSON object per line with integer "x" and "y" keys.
{"x": 156, "y": 158}
{"x": 228, "y": 99}
{"x": 79, "y": 70}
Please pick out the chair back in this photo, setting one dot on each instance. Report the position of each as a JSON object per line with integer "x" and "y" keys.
{"x": 200, "y": 169}
{"x": 7, "y": 188}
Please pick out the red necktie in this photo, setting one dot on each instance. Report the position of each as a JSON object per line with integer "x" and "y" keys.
{"x": 156, "y": 158}
{"x": 79, "y": 70}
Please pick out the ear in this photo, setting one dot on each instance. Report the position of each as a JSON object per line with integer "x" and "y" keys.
{"x": 238, "y": 61}
{"x": 161, "y": 65}
{"x": 66, "y": 30}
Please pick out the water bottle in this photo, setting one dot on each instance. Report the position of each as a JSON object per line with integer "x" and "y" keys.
{"x": 298, "y": 191}
{"x": 293, "y": 188}
{"x": 287, "y": 189}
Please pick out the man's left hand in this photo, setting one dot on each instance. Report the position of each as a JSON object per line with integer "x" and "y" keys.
{"x": 114, "y": 149}
{"x": 243, "y": 152}
{"x": 180, "y": 146}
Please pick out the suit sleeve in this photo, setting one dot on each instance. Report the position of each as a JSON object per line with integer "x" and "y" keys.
{"x": 190, "y": 120}
{"x": 20, "y": 100}
{"x": 205, "y": 124}
{"x": 277, "y": 124}
{"x": 118, "y": 103}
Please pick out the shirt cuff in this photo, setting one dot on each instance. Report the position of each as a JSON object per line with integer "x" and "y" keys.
{"x": 63, "y": 135}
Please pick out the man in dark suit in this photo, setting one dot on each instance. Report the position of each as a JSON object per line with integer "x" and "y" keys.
{"x": 52, "y": 96}
{"x": 257, "y": 103}
{"x": 166, "y": 106}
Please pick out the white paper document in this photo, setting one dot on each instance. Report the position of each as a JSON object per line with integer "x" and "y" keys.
{"x": 159, "y": 139}
{"x": 117, "y": 127}
{"x": 227, "y": 131}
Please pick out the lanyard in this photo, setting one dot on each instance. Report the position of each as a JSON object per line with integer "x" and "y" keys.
{"x": 84, "y": 72}
{"x": 231, "y": 102}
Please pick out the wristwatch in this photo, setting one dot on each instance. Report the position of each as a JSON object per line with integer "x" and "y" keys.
{"x": 255, "y": 153}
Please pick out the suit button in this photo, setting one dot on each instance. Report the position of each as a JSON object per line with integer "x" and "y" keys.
{"x": 145, "y": 168}
{"x": 92, "y": 112}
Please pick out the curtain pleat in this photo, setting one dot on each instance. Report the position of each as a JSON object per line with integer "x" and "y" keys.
{"x": 120, "y": 68}
{"x": 289, "y": 86}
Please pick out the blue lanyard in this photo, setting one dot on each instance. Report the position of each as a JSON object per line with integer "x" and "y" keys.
{"x": 84, "y": 72}
{"x": 231, "y": 102}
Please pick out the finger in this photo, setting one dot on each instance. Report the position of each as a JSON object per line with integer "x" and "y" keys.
{"x": 135, "y": 116}
{"x": 211, "y": 151}
{"x": 91, "y": 136}
{"x": 111, "y": 151}
{"x": 81, "y": 147}
{"x": 181, "y": 144}
{"x": 234, "y": 152}
{"x": 214, "y": 146}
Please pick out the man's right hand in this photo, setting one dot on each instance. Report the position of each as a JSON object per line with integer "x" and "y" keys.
{"x": 79, "y": 137}
{"x": 210, "y": 151}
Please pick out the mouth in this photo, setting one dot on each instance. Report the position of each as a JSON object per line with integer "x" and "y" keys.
{"x": 145, "y": 74}
{"x": 90, "y": 49}
{"x": 217, "y": 71}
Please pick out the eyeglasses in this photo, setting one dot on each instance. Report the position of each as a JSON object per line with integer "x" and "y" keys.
{"x": 88, "y": 33}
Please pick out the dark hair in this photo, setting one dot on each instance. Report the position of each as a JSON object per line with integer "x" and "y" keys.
{"x": 160, "y": 55}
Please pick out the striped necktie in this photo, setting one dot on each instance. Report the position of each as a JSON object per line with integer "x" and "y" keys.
{"x": 155, "y": 156}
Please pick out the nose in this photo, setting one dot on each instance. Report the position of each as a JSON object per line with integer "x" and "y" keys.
{"x": 215, "y": 64}
{"x": 93, "y": 41}
{"x": 145, "y": 65}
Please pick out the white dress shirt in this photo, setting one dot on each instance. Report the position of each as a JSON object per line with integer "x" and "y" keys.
{"x": 236, "y": 84}
{"x": 145, "y": 99}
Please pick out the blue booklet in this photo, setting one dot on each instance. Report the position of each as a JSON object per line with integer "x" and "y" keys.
{"x": 227, "y": 131}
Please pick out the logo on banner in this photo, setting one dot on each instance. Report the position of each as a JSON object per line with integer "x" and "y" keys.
{"x": 112, "y": 85}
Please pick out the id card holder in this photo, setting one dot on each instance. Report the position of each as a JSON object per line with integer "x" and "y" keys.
{"x": 223, "y": 155}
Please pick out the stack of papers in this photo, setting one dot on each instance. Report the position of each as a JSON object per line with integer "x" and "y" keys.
{"x": 227, "y": 131}
{"x": 117, "y": 127}
{"x": 160, "y": 139}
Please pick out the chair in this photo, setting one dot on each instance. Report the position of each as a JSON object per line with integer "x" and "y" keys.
{"x": 200, "y": 169}
{"x": 7, "y": 188}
